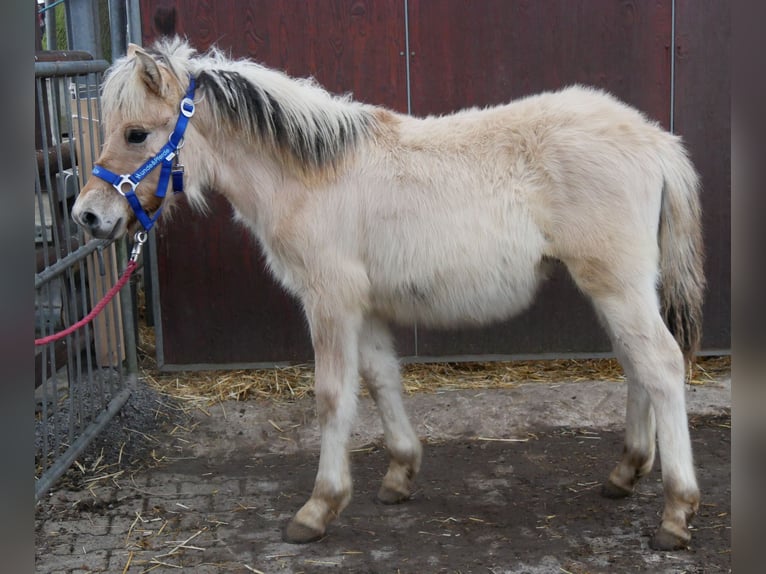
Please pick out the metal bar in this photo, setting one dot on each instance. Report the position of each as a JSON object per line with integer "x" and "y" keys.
{"x": 50, "y": 25}
{"x": 75, "y": 375}
{"x": 55, "y": 98}
{"x": 64, "y": 201}
{"x": 96, "y": 295}
{"x": 87, "y": 333}
{"x": 118, "y": 27}
{"x": 128, "y": 317}
{"x": 133, "y": 17}
{"x": 112, "y": 322}
{"x": 54, "y": 385}
{"x": 154, "y": 277}
{"x": 50, "y": 69}
{"x": 41, "y": 105}
{"x": 75, "y": 406}
{"x": 60, "y": 266}
{"x": 44, "y": 406}
{"x": 83, "y": 19}
{"x": 63, "y": 462}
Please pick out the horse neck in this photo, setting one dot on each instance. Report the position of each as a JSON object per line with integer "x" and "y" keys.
{"x": 244, "y": 172}
{"x": 290, "y": 137}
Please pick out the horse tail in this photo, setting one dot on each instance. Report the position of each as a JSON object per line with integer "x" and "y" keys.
{"x": 682, "y": 279}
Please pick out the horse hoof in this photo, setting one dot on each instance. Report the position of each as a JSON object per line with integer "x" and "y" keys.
{"x": 388, "y": 495}
{"x": 666, "y": 540}
{"x": 611, "y": 490}
{"x": 297, "y": 533}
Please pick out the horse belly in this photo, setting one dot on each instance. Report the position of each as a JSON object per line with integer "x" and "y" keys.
{"x": 444, "y": 276}
{"x": 430, "y": 306}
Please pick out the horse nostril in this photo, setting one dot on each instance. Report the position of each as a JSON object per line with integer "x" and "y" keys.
{"x": 89, "y": 219}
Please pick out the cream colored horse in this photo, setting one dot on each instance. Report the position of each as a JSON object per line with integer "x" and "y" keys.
{"x": 369, "y": 217}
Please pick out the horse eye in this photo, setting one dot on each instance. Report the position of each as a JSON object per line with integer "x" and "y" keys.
{"x": 136, "y": 136}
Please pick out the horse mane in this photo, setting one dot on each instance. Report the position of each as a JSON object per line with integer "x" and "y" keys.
{"x": 301, "y": 121}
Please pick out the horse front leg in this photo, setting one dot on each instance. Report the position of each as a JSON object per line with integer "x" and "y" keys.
{"x": 379, "y": 368}
{"x": 335, "y": 336}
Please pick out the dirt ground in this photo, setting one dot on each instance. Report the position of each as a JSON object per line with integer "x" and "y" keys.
{"x": 524, "y": 502}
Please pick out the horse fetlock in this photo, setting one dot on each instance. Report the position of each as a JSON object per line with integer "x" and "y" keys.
{"x": 611, "y": 490}
{"x": 670, "y": 537}
{"x": 620, "y": 482}
{"x": 673, "y": 533}
{"x": 626, "y": 474}
{"x": 396, "y": 488}
{"x": 298, "y": 533}
{"x": 667, "y": 539}
{"x": 310, "y": 522}
{"x": 681, "y": 508}
{"x": 398, "y": 482}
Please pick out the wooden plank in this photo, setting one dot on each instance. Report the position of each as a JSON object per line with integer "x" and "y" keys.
{"x": 347, "y": 45}
{"x": 702, "y": 117}
{"x": 489, "y": 52}
{"x": 108, "y": 334}
{"x": 218, "y": 302}
{"x": 462, "y": 54}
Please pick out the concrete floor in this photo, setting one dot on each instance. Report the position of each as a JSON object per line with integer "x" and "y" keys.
{"x": 229, "y": 482}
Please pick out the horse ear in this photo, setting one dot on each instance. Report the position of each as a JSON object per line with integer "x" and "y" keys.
{"x": 147, "y": 68}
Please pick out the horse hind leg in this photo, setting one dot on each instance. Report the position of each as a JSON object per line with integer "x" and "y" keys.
{"x": 640, "y": 440}
{"x": 380, "y": 372}
{"x": 654, "y": 366}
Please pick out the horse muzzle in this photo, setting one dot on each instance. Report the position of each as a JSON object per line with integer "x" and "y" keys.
{"x": 99, "y": 217}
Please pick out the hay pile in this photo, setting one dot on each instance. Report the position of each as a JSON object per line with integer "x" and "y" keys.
{"x": 296, "y": 382}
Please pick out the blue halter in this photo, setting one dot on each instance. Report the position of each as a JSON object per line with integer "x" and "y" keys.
{"x": 165, "y": 157}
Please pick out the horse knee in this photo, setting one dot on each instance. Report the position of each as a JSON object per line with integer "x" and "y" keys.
{"x": 327, "y": 400}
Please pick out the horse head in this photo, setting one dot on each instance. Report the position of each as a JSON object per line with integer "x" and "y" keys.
{"x": 141, "y": 98}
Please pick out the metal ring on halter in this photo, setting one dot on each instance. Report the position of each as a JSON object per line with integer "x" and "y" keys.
{"x": 124, "y": 178}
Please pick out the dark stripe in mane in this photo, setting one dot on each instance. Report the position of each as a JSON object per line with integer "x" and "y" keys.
{"x": 312, "y": 137}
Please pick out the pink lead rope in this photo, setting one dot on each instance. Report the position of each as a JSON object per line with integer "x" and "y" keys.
{"x": 132, "y": 264}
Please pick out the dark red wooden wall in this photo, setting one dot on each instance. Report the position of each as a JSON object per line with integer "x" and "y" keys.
{"x": 217, "y": 303}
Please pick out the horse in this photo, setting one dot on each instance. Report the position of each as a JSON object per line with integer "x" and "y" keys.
{"x": 372, "y": 218}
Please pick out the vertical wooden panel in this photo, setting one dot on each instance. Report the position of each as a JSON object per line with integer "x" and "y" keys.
{"x": 219, "y": 304}
{"x": 491, "y": 51}
{"x": 347, "y": 45}
{"x": 702, "y": 117}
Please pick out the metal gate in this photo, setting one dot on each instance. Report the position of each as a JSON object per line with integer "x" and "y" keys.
{"x": 82, "y": 380}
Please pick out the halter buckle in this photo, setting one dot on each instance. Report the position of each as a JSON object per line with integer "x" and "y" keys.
{"x": 125, "y": 178}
